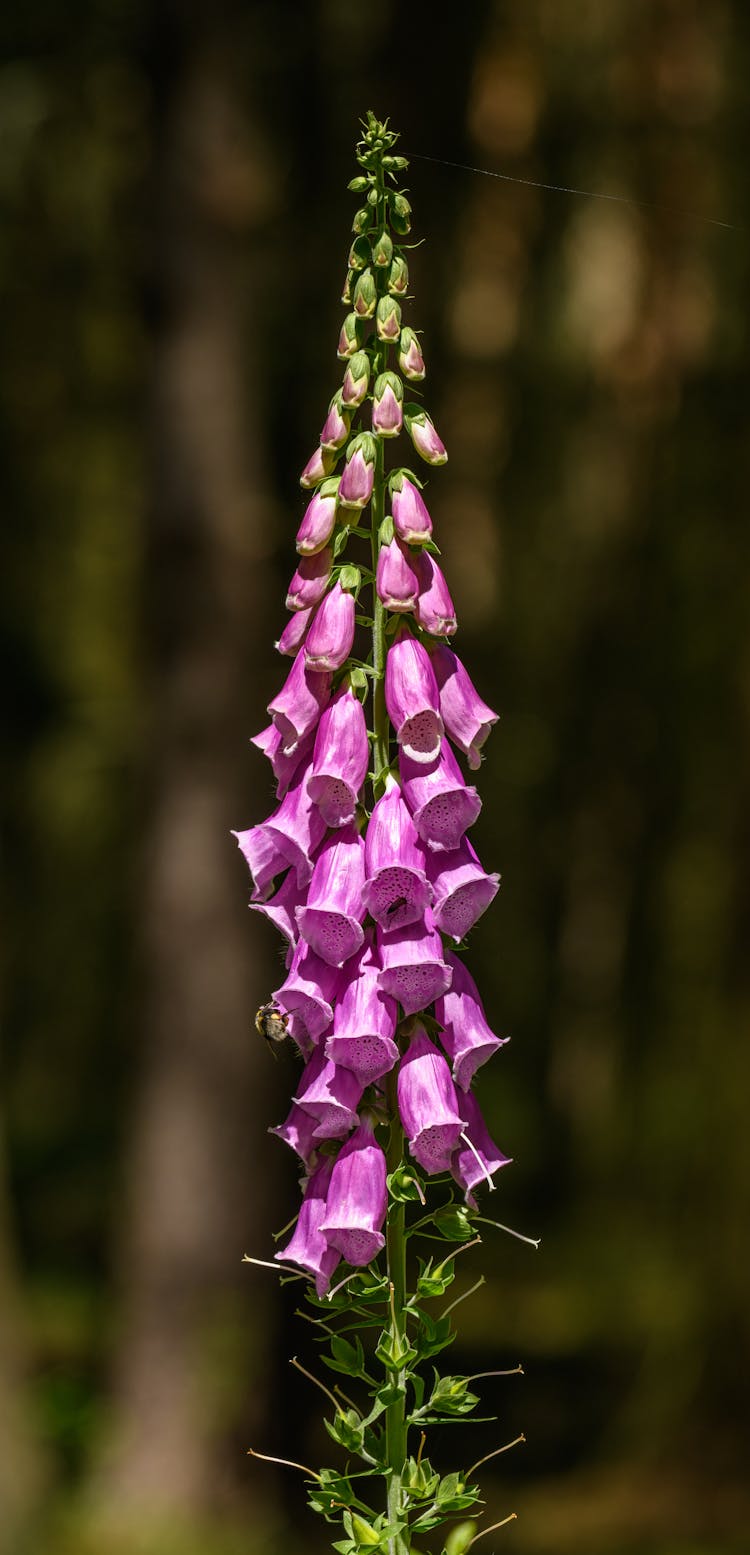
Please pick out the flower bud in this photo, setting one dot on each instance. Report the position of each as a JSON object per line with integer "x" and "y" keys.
{"x": 359, "y": 254}
{"x": 466, "y": 1036}
{"x": 358, "y": 184}
{"x": 320, "y": 464}
{"x": 396, "y": 581}
{"x": 310, "y": 581}
{"x": 400, "y": 213}
{"x": 398, "y": 276}
{"x": 319, "y": 520}
{"x": 388, "y": 319}
{"x": 466, "y": 717}
{"x": 308, "y": 1247}
{"x": 356, "y": 380}
{"x": 348, "y": 341}
{"x": 423, "y": 435}
{"x": 411, "y": 520}
{"x": 329, "y": 640}
{"x": 435, "y": 610}
{"x": 410, "y": 358}
{"x": 382, "y": 251}
{"x": 363, "y": 219}
{"x": 428, "y": 1104}
{"x": 355, "y": 486}
{"x": 296, "y": 708}
{"x": 365, "y": 296}
{"x": 387, "y": 413}
{"x": 294, "y": 632}
{"x": 336, "y": 426}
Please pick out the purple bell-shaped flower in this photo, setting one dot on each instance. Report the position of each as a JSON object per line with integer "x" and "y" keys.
{"x": 308, "y": 993}
{"x": 442, "y": 804}
{"x": 340, "y": 760}
{"x": 477, "y": 1157}
{"x": 463, "y": 889}
{"x": 357, "y": 1199}
{"x": 319, "y": 520}
{"x": 412, "y": 966}
{"x": 396, "y": 579}
{"x": 396, "y": 890}
{"x": 411, "y": 520}
{"x": 364, "y": 1022}
{"x": 298, "y": 1132}
{"x": 263, "y": 857}
{"x": 435, "y": 610}
{"x": 331, "y": 921}
{"x": 329, "y": 640}
{"x": 295, "y": 632}
{"x": 297, "y": 828}
{"x": 283, "y": 765}
{"x": 467, "y": 718}
{"x": 280, "y": 909}
{"x": 331, "y": 1095}
{"x": 309, "y": 583}
{"x": 412, "y": 700}
{"x": 428, "y": 1104}
{"x": 296, "y": 708}
{"x": 466, "y": 1036}
{"x": 308, "y": 1247}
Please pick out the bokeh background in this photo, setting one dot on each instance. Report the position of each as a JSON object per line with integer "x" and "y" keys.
{"x": 174, "y": 234}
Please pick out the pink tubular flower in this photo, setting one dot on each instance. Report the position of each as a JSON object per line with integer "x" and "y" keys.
{"x": 467, "y": 718}
{"x": 364, "y": 1023}
{"x": 296, "y": 828}
{"x": 397, "y": 890}
{"x": 428, "y": 1104}
{"x": 309, "y": 583}
{"x": 355, "y": 486}
{"x": 308, "y": 1247}
{"x": 442, "y": 804}
{"x": 466, "y": 1036}
{"x": 411, "y": 520}
{"x": 387, "y": 409}
{"x": 356, "y": 380}
{"x": 412, "y": 966}
{"x": 294, "y": 632}
{"x": 320, "y": 464}
{"x": 263, "y": 857}
{"x": 357, "y": 1199}
{"x": 284, "y": 765}
{"x": 297, "y": 707}
{"x": 463, "y": 889}
{"x": 331, "y": 1095}
{"x": 329, "y": 640}
{"x": 424, "y": 436}
{"x": 298, "y": 1131}
{"x": 319, "y": 520}
{"x": 412, "y": 700}
{"x": 477, "y": 1156}
{"x": 280, "y": 908}
{"x": 340, "y": 760}
{"x": 335, "y": 429}
{"x": 396, "y": 581}
{"x": 308, "y": 992}
{"x": 331, "y": 922}
{"x": 410, "y": 358}
{"x": 435, "y": 610}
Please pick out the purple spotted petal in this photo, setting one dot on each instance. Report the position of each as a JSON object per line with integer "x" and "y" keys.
{"x": 364, "y": 1023}
{"x": 297, "y": 828}
{"x": 297, "y": 707}
{"x": 463, "y": 889}
{"x": 357, "y": 1199}
{"x": 397, "y": 890}
{"x": 466, "y": 1036}
{"x": 477, "y": 1156}
{"x": 412, "y": 699}
{"x": 308, "y": 1247}
{"x": 331, "y": 922}
{"x": 308, "y": 993}
{"x": 428, "y": 1104}
{"x": 283, "y": 766}
{"x": 442, "y": 804}
{"x": 340, "y": 760}
{"x": 467, "y": 718}
{"x": 412, "y": 966}
{"x": 331, "y": 1095}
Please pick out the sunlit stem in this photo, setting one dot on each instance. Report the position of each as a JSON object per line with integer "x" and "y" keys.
{"x": 511, "y": 1518}
{"x": 496, "y": 1454}
{"x": 464, "y": 1296}
{"x": 288, "y": 1463}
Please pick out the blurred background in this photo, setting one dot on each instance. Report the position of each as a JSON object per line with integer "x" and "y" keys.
{"x": 174, "y": 232}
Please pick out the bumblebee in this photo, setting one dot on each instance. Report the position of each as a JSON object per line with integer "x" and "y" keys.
{"x": 271, "y": 1024}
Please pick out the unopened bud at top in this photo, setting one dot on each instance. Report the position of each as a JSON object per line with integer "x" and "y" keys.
{"x": 388, "y": 319}
{"x": 410, "y": 358}
{"x": 363, "y": 219}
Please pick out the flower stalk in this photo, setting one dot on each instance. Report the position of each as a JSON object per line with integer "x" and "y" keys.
{"x": 367, "y": 870}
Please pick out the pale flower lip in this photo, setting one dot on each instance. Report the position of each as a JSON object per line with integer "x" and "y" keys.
{"x": 412, "y": 699}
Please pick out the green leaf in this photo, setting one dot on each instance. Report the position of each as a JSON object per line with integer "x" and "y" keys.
{"x": 458, "y": 1540}
{"x": 350, "y": 579}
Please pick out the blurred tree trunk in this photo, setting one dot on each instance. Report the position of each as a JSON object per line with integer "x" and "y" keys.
{"x": 20, "y": 1461}
{"x": 185, "y": 1374}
